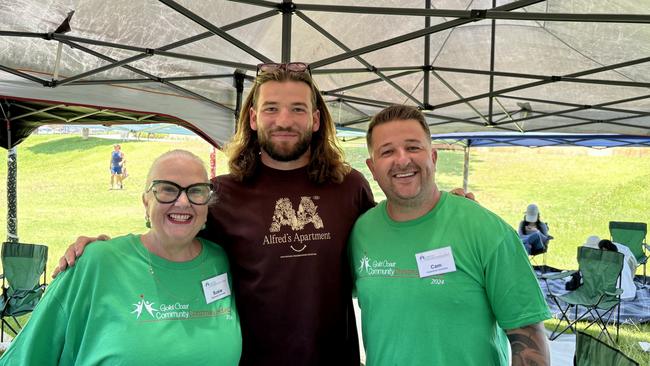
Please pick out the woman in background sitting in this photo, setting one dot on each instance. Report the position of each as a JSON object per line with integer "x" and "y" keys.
{"x": 533, "y": 232}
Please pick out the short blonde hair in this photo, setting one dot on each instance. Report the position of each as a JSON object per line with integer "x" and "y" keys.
{"x": 178, "y": 153}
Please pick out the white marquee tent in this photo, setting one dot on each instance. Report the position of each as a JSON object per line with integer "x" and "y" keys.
{"x": 568, "y": 66}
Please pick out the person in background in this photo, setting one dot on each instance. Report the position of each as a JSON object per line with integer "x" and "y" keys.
{"x": 438, "y": 277}
{"x": 116, "y": 167}
{"x": 160, "y": 298}
{"x": 533, "y": 232}
{"x": 629, "y": 263}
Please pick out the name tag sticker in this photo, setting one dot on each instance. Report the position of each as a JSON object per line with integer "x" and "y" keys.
{"x": 215, "y": 288}
{"x": 435, "y": 262}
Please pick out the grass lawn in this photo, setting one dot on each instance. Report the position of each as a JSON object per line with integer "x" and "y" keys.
{"x": 63, "y": 192}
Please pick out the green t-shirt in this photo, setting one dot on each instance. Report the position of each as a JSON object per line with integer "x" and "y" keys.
{"x": 455, "y": 318}
{"x": 109, "y": 309}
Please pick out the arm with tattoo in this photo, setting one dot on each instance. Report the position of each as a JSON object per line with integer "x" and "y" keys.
{"x": 529, "y": 346}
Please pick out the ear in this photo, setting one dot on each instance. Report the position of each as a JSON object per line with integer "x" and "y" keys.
{"x": 252, "y": 118}
{"x": 434, "y": 156}
{"x": 145, "y": 202}
{"x": 371, "y": 166}
{"x": 316, "y": 118}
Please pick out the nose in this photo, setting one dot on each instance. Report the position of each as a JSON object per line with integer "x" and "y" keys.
{"x": 402, "y": 158}
{"x": 283, "y": 118}
{"x": 182, "y": 200}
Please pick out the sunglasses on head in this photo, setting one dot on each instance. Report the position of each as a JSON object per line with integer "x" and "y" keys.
{"x": 289, "y": 66}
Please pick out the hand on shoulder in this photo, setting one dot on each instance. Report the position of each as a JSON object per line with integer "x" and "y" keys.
{"x": 461, "y": 192}
{"x": 74, "y": 251}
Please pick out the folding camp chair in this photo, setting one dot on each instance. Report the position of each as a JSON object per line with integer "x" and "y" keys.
{"x": 599, "y": 294}
{"x": 633, "y": 236}
{"x": 593, "y": 352}
{"x": 23, "y": 266}
{"x": 533, "y": 258}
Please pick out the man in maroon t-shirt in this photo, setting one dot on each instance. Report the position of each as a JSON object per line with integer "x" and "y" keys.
{"x": 284, "y": 215}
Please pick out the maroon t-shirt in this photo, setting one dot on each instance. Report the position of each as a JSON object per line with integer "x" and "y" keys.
{"x": 286, "y": 238}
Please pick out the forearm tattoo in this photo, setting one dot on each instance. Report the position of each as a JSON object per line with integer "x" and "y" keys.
{"x": 529, "y": 346}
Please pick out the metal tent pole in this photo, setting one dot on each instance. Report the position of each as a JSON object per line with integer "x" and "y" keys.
{"x": 12, "y": 170}
{"x": 466, "y": 168}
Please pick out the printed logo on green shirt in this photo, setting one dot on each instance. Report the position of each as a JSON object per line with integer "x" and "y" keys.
{"x": 175, "y": 311}
{"x": 144, "y": 304}
{"x": 383, "y": 268}
{"x": 164, "y": 312}
{"x": 376, "y": 267}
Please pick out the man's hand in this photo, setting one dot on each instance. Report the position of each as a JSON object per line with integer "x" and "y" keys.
{"x": 74, "y": 251}
{"x": 461, "y": 192}
{"x": 529, "y": 345}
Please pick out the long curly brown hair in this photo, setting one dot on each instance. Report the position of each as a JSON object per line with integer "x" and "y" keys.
{"x": 326, "y": 162}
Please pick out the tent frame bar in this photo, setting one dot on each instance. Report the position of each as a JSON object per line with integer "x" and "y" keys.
{"x": 414, "y": 35}
{"x": 543, "y": 82}
{"x": 214, "y": 29}
{"x": 426, "y": 102}
{"x": 474, "y": 13}
{"x": 371, "y": 68}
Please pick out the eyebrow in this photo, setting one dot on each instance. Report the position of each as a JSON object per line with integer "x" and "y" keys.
{"x": 410, "y": 141}
{"x": 272, "y": 103}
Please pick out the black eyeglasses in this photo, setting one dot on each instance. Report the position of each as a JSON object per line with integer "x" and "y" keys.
{"x": 168, "y": 192}
{"x": 289, "y": 66}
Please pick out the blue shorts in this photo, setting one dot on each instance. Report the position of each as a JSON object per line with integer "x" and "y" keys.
{"x": 116, "y": 169}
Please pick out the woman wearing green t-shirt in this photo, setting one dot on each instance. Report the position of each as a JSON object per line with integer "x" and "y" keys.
{"x": 160, "y": 298}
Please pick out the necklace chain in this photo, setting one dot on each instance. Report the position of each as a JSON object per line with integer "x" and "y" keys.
{"x": 163, "y": 287}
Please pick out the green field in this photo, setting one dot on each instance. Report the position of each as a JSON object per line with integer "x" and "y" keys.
{"x": 63, "y": 192}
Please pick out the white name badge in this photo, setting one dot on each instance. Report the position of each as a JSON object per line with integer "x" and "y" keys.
{"x": 435, "y": 262}
{"x": 215, "y": 288}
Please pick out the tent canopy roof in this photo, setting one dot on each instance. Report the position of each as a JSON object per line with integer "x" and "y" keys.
{"x": 569, "y": 66}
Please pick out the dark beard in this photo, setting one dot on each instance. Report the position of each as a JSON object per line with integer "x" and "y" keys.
{"x": 283, "y": 155}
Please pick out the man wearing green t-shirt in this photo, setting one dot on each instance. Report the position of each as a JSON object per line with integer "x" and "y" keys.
{"x": 438, "y": 277}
